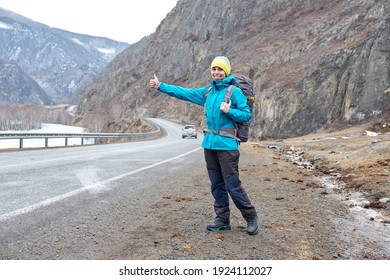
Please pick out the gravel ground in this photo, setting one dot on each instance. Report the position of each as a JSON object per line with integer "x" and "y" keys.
{"x": 323, "y": 196}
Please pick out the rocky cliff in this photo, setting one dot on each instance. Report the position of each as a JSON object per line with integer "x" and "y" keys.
{"x": 314, "y": 63}
{"x": 16, "y": 86}
{"x": 57, "y": 61}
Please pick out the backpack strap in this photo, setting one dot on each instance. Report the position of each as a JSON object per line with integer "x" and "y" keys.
{"x": 226, "y": 132}
{"x": 208, "y": 91}
{"x": 228, "y": 93}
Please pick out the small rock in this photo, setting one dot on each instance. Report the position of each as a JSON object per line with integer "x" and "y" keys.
{"x": 318, "y": 158}
{"x": 384, "y": 200}
{"x": 274, "y": 147}
{"x": 374, "y": 204}
{"x": 300, "y": 151}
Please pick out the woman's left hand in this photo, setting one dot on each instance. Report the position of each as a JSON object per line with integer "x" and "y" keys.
{"x": 225, "y": 107}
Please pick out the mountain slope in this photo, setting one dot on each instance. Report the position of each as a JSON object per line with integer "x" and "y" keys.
{"x": 17, "y": 87}
{"x": 59, "y": 61}
{"x": 314, "y": 63}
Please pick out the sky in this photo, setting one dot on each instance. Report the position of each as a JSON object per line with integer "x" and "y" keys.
{"x": 122, "y": 20}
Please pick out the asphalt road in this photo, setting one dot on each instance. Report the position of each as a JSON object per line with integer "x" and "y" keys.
{"x": 45, "y": 185}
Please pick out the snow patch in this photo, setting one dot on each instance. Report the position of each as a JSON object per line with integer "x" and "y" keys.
{"x": 4, "y": 25}
{"x": 15, "y": 55}
{"x": 371, "y": 134}
{"x": 107, "y": 51}
{"x": 72, "y": 86}
{"x": 78, "y": 42}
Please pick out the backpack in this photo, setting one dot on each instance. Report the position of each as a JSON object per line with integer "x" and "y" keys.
{"x": 242, "y": 129}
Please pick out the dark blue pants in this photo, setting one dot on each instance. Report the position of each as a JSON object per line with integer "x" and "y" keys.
{"x": 222, "y": 167}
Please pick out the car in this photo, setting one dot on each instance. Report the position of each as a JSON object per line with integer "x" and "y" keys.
{"x": 189, "y": 130}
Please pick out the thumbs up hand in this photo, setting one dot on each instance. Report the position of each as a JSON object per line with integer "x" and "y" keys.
{"x": 154, "y": 83}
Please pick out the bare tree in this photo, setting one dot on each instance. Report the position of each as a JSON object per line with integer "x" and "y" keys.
{"x": 30, "y": 116}
{"x": 95, "y": 122}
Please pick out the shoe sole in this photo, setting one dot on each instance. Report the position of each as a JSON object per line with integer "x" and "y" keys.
{"x": 218, "y": 228}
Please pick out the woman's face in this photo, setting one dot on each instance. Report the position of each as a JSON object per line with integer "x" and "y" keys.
{"x": 217, "y": 73}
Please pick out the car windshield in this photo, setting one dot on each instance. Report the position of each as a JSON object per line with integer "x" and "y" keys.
{"x": 189, "y": 126}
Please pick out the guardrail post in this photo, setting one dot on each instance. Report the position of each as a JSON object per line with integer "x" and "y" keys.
{"x": 82, "y": 141}
{"x": 46, "y": 142}
{"x": 66, "y": 141}
{"x": 20, "y": 143}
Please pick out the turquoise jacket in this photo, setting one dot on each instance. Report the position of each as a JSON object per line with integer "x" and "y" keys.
{"x": 215, "y": 118}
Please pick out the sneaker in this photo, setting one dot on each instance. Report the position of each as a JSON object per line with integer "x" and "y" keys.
{"x": 253, "y": 227}
{"x": 218, "y": 225}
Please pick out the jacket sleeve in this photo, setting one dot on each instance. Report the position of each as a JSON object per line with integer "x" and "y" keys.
{"x": 193, "y": 95}
{"x": 239, "y": 110}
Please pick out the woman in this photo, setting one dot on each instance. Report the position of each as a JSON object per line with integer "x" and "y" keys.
{"x": 221, "y": 151}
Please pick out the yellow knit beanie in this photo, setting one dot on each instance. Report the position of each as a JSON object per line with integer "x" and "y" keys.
{"x": 223, "y": 63}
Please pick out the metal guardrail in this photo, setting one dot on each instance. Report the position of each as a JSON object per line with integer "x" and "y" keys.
{"x": 96, "y": 136}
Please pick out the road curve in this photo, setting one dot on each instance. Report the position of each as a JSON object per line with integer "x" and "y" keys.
{"x": 42, "y": 186}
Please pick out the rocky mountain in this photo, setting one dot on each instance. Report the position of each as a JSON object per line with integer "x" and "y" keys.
{"x": 315, "y": 64}
{"x": 16, "y": 86}
{"x": 57, "y": 61}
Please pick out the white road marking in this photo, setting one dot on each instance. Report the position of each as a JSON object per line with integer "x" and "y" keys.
{"x": 33, "y": 207}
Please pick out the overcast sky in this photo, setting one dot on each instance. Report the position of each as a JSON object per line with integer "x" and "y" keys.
{"x": 122, "y": 20}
